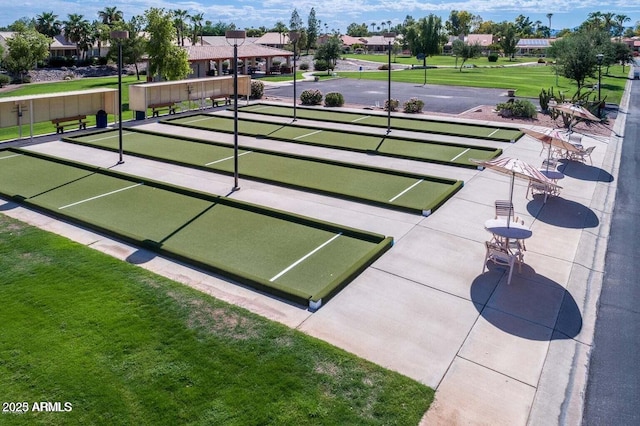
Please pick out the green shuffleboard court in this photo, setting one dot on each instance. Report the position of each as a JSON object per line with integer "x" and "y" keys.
{"x": 504, "y": 134}
{"x": 291, "y": 256}
{"x": 435, "y": 152}
{"x": 410, "y": 192}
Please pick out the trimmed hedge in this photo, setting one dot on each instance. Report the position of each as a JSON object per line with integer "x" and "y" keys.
{"x": 311, "y": 97}
{"x": 333, "y": 99}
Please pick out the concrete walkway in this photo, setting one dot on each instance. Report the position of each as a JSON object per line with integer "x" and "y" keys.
{"x": 497, "y": 354}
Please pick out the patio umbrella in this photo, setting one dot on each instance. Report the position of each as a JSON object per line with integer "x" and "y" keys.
{"x": 576, "y": 111}
{"x": 552, "y": 139}
{"x": 515, "y": 168}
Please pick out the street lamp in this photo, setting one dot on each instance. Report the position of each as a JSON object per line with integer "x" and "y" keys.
{"x": 294, "y": 36}
{"x": 390, "y": 37}
{"x": 119, "y": 35}
{"x": 599, "y": 58}
{"x": 233, "y": 37}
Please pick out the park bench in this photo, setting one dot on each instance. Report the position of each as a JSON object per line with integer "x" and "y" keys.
{"x": 60, "y": 123}
{"x": 217, "y": 99}
{"x": 156, "y": 108}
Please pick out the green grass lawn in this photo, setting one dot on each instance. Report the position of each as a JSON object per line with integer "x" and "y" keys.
{"x": 124, "y": 346}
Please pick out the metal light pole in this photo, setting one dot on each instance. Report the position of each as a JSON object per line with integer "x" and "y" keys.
{"x": 599, "y": 58}
{"x": 233, "y": 37}
{"x": 294, "y": 36}
{"x": 119, "y": 35}
{"x": 390, "y": 37}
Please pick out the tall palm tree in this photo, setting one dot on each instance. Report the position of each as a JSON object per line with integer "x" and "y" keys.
{"x": 620, "y": 20}
{"x": 389, "y": 26}
{"x": 196, "y": 22}
{"x": 594, "y": 19}
{"x": 47, "y": 23}
{"x": 373, "y": 27}
{"x": 76, "y": 30}
{"x": 110, "y": 15}
{"x": 549, "y": 16}
{"x": 608, "y": 21}
{"x": 179, "y": 20}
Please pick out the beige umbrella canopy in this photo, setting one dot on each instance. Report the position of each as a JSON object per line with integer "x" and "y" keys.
{"x": 552, "y": 139}
{"x": 515, "y": 167}
{"x": 576, "y": 111}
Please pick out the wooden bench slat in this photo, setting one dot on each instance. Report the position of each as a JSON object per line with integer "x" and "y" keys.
{"x": 61, "y": 122}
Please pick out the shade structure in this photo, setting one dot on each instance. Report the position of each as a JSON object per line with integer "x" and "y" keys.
{"x": 515, "y": 167}
{"x": 552, "y": 139}
{"x": 576, "y": 111}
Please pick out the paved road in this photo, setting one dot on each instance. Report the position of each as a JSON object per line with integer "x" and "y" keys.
{"x": 443, "y": 99}
{"x": 613, "y": 390}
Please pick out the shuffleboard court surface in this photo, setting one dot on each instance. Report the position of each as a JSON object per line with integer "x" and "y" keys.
{"x": 435, "y": 152}
{"x": 415, "y": 193}
{"x": 287, "y": 255}
{"x": 497, "y": 133}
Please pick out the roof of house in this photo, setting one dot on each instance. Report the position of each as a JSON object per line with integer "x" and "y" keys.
{"x": 481, "y": 39}
{"x": 220, "y": 51}
{"x": 273, "y": 38}
{"x": 535, "y": 42}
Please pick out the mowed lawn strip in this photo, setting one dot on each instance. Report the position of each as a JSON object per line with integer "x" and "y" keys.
{"x": 378, "y": 186}
{"x": 504, "y": 134}
{"x": 125, "y": 346}
{"x": 263, "y": 248}
{"x": 437, "y": 152}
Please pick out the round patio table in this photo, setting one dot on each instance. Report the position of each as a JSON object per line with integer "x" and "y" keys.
{"x": 515, "y": 230}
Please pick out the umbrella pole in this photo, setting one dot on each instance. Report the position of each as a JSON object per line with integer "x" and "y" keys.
{"x": 513, "y": 178}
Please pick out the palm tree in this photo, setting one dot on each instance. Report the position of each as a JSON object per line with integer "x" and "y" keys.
{"x": 620, "y": 20}
{"x": 110, "y": 15}
{"x": 594, "y": 19}
{"x": 47, "y": 23}
{"x": 373, "y": 27}
{"x": 608, "y": 20}
{"x": 389, "y": 26}
{"x": 76, "y": 30}
{"x": 549, "y": 16}
{"x": 196, "y": 22}
{"x": 179, "y": 18}
{"x": 280, "y": 28}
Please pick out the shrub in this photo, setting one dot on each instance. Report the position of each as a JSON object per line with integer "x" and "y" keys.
{"x": 257, "y": 89}
{"x": 542, "y": 61}
{"x": 383, "y": 67}
{"x": 493, "y": 57}
{"x": 304, "y": 66}
{"x": 311, "y": 97}
{"x": 518, "y": 108}
{"x": 4, "y": 80}
{"x": 394, "y": 105}
{"x": 333, "y": 99}
{"x": 320, "y": 65}
{"x": 413, "y": 105}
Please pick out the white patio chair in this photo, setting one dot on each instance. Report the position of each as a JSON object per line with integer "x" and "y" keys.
{"x": 583, "y": 154}
{"x": 499, "y": 255}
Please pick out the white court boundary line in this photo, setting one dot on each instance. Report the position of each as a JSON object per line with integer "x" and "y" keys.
{"x": 308, "y": 134}
{"x": 198, "y": 119}
{"x": 110, "y": 137}
{"x": 361, "y": 118}
{"x": 11, "y": 156}
{"x": 458, "y": 156}
{"x": 493, "y": 133}
{"x": 99, "y": 196}
{"x": 228, "y": 158}
{"x": 303, "y": 258}
{"x": 406, "y": 190}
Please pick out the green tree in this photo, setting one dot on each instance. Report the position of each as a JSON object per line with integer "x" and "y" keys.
{"x": 576, "y": 54}
{"x": 295, "y": 23}
{"x": 281, "y": 29}
{"x": 110, "y": 15}
{"x": 459, "y": 23}
{"x": 47, "y": 23}
{"x": 524, "y": 27}
{"x": 330, "y": 52}
{"x": 357, "y": 30}
{"x": 166, "y": 60}
{"x": 426, "y": 37}
{"x": 619, "y": 27}
{"x": 196, "y": 26}
{"x": 78, "y": 30}
{"x": 508, "y": 38}
{"x": 313, "y": 28}
{"x": 26, "y": 48}
{"x": 465, "y": 50}
{"x": 180, "y": 23}
{"x": 133, "y": 47}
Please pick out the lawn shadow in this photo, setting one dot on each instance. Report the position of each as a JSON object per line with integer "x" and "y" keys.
{"x": 561, "y": 212}
{"x": 582, "y": 171}
{"x": 141, "y": 256}
{"x": 532, "y": 307}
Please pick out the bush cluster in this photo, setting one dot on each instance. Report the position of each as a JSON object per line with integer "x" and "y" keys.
{"x": 383, "y": 67}
{"x": 304, "y": 66}
{"x": 257, "y": 89}
{"x": 394, "y": 105}
{"x": 320, "y": 65}
{"x": 61, "y": 61}
{"x": 413, "y": 105}
{"x": 311, "y": 97}
{"x": 333, "y": 99}
{"x": 4, "y": 80}
{"x": 493, "y": 57}
{"x": 518, "y": 108}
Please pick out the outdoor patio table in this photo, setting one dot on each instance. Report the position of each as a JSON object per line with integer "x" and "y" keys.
{"x": 554, "y": 175}
{"x": 515, "y": 230}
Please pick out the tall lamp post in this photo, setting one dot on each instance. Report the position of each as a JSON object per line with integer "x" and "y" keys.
{"x": 599, "y": 58}
{"x": 233, "y": 38}
{"x": 294, "y": 36}
{"x": 390, "y": 37}
{"x": 119, "y": 35}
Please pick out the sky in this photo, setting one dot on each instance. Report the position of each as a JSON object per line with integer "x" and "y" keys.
{"x": 337, "y": 14}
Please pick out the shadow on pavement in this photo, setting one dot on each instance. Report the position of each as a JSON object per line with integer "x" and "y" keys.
{"x": 583, "y": 171}
{"x": 563, "y": 213}
{"x": 532, "y": 306}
